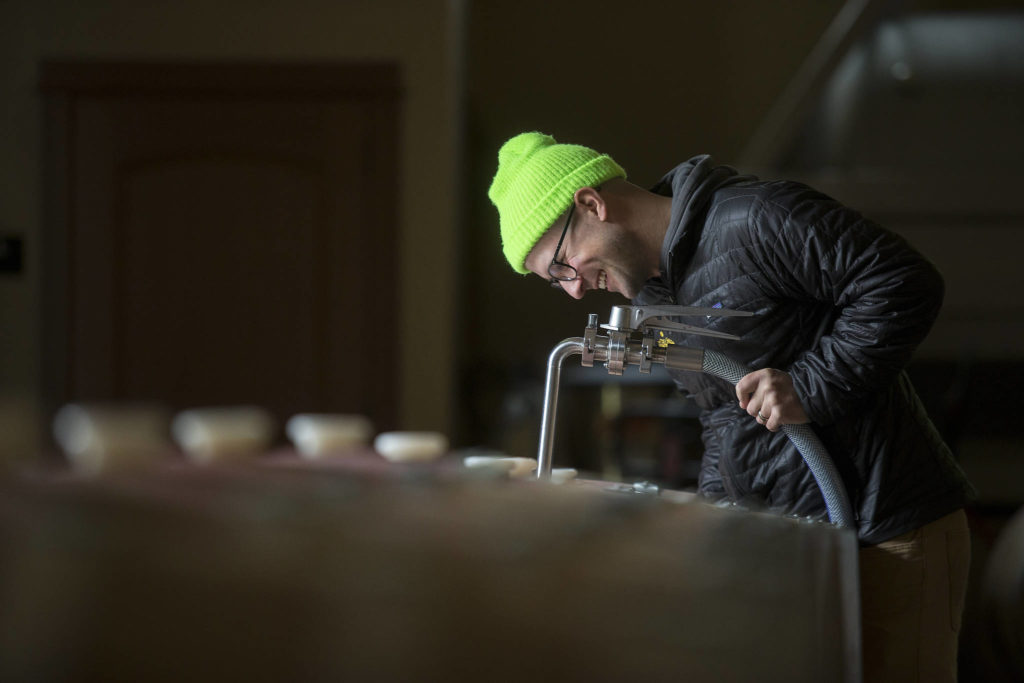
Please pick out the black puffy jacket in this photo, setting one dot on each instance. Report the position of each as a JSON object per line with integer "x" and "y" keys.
{"x": 840, "y": 304}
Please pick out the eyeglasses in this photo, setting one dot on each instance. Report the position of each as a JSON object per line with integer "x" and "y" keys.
{"x": 558, "y": 271}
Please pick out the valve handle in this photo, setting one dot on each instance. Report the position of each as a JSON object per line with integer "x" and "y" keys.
{"x": 669, "y": 326}
{"x": 652, "y": 317}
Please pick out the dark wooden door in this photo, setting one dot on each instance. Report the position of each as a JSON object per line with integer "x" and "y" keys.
{"x": 222, "y": 234}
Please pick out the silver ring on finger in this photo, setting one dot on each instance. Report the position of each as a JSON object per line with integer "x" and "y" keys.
{"x": 761, "y": 417}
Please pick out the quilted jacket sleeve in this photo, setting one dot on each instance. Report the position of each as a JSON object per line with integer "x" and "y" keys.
{"x": 884, "y": 295}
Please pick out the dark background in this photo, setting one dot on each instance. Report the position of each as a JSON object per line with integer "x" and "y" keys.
{"x": 914, "y": 114}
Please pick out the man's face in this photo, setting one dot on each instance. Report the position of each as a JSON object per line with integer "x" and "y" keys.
{"x": 602, "y": 254}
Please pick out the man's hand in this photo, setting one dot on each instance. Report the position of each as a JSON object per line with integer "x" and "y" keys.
{"x": 769, "y": 397}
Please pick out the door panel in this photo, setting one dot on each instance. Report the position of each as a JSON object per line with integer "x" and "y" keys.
{"x": 224, "y": 244}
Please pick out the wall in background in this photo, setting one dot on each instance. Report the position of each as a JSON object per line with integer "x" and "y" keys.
{"x": 420, "y": 35}
{"x": 648, "y": 82}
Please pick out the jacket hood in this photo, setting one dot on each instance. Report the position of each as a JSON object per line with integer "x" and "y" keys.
{"x": 691, "y": 185}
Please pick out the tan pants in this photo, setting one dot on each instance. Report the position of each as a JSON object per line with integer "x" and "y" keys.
{"x": 912, "y": 598}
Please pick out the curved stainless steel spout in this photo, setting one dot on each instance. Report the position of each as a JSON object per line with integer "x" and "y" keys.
{"x": 567, "y": 347}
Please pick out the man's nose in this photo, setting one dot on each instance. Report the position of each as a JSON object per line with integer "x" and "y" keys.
{"x": 574, "y": 288}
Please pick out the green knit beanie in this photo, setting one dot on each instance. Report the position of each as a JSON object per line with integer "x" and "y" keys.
{"x": 535, "y": 183}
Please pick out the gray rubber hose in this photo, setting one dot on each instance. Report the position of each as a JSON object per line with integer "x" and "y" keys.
{"x": 840, "y": 512}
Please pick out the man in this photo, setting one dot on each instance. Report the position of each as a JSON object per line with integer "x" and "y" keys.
{"x": 840, "y": 305}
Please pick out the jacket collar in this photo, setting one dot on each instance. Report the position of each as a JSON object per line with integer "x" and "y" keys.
{"x": 691, "y": 185}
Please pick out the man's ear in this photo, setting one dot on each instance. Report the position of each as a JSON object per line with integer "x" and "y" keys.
{"x": 590, "y": 201}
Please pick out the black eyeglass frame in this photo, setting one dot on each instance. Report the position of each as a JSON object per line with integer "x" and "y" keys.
{"x": 558, "y": 270}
